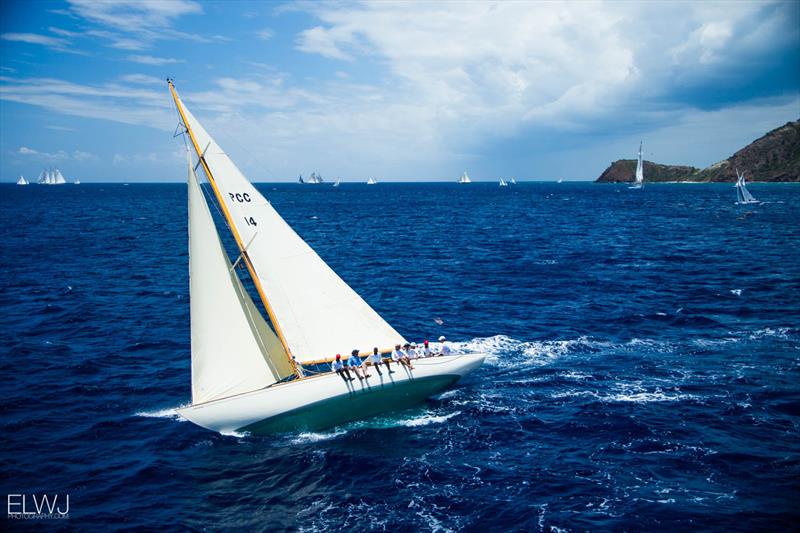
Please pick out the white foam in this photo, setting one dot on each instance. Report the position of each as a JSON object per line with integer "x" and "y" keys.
{"x": 502, "y": 347}
{"x": 308, "y": 438}
{"x": 427, "y": 419}
{"x": 170, "y": 412}
{"x": 232, "y": 433}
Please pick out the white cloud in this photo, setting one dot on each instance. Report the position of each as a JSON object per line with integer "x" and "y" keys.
{"x": 129, "y": 105}
{"x": 77, "y": 155}
{"x": 136, "y": 16}
{"x": 266, "y": 34}
{"x": 151, "y": 60}
{"x": 142, "y": 79}
{"x": 35, "y": 38}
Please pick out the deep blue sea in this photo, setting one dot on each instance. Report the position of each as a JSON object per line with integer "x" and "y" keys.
{"x": 643, "y": 368}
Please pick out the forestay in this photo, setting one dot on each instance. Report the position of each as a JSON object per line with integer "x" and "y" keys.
{"x": 317, "y": 313}
{"x": 233, "y": 349}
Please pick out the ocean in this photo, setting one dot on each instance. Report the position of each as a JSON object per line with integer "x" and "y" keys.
{"x": 642, "y": 371}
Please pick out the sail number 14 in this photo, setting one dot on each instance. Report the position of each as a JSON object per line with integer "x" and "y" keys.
{"x": 243, "y": 197}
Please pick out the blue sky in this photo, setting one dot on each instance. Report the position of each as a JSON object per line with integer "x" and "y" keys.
{"x": 401, "y": 90}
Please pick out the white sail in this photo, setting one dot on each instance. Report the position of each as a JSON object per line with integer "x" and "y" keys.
{"x": 503, "y": 183}
{"x": 371, "y": 181}
{"x": 22, "y": 181}
{"x": 233, "y": 350}
{"x": 743, "y": 196}
{"x": 42, "y": 177}
{"x": 317, "y": 313}
{"x": 58, "y": 178}
{"x": 640, "y": 167}
{"x": 464, "y": 178}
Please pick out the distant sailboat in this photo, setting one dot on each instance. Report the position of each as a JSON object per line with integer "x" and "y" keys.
{"x": 464, "y": 178}
{"x": 371, "y": 181}
{"x": 77, "y": 182}
{"x": 337, "y": 182}
{"x": 22, "y": 180}
{"x": 51, "y": 177}
{"x": 639, "y": 171}
{"x": 503, "y": 183}
{"x": 743, "y": 196}
{"x": 313, "y": 179}
{"x": 560, "y": 180}
{"x": 247, "y": 374}
{"x": 513, "y": 181}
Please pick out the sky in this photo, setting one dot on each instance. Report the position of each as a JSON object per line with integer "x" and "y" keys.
{"x": 402, "y": 91}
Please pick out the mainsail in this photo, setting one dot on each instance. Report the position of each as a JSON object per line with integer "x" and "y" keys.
{"x": 314, "y": 312}
{"x": 464, "y": 178}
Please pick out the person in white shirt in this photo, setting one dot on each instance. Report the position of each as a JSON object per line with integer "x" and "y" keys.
{"x": 338, "y": 367}
{"x": 445, "y": 349}
{"x": 412, "y": 351}
{"x": 426, "y": 349}
{"x": 401, "y": 357}
{"x": 375, "y": 360}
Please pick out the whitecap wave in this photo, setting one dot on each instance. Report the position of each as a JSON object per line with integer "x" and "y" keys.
{"x": 501, "y": 347}
{"x": 309, "y": 438}
{"x": 427, "y": 419}
{"x": 170, "y": 412}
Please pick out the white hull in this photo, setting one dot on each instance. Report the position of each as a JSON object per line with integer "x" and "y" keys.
{"x": 326, "y": 400}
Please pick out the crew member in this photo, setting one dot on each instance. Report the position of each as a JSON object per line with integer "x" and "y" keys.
{"x": 357, "y": 365}
{"x": 338, "y": 367}
{"x": 445, "y": 349}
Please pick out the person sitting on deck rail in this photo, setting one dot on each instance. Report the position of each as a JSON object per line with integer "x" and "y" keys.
{"x": 445, "y": 349}
{"x": 338, "y": 367}
{"x": 426, "y": 349}
{"x": 375, "y": 360}
{"x": 357, "y": 365}
{"x": 412, "y": 351}
{"x": 401, "y": 357}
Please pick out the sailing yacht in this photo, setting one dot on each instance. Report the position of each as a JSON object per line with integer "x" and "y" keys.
{"x": 337, "y": 182}
{"x": 51, "y": 177}
{"x": 639, "y": 183}
{"x": 743, "y": 196}
{"x": 22, "y": 180}
{"x": 464, "y": 178}
{"x": 503, "y": 183}
{"x": 371, "y": 181}
{"x": 257, "y": 375}
{"x": 513, "y": 181}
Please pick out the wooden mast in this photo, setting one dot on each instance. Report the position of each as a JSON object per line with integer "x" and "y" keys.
{"x": 234, "y": 231}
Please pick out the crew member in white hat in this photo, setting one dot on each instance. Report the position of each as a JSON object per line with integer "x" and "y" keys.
{"x": 445, "y": 349}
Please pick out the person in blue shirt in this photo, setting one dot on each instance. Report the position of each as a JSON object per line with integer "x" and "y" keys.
{"x": 357, "y": 365}
{"x": 338, "y": 367}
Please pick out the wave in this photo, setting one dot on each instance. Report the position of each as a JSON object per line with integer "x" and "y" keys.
{"x": 427, "y": 419}
{"x": 170, "y": 412}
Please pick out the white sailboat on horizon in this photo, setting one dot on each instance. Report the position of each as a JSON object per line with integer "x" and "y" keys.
{"x": 248, "y": 373}
{"x": 51, "y": 177}
{"x": 639, "y": 177}
{"x": 464, "y": 178}
{"x": 371, "y": 181}
{"x": 503, "y": 183}
{"x": 743, "y": 196}
{"x": 22, "y": 180}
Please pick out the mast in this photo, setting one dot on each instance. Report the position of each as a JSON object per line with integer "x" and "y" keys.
{"x": 241, "y": 245}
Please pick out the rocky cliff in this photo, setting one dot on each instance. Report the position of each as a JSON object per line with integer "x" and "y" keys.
{"x": 773, "y": 157}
